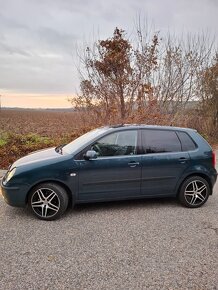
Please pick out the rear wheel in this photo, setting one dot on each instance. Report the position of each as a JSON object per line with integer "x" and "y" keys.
{"x": 48, "y": 201}
{"x": 194, "y": 192}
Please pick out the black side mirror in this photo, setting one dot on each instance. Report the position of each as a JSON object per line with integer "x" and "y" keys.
{"x": 90, "y": 154}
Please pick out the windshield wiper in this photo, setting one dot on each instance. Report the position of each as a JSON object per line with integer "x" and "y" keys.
{"x": 59, "y": 150}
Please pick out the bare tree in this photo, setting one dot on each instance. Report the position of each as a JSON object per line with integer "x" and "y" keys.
{"x": 146, "y": 79}
{"x": 209, "y": 97}
{"x": 115, "y": 80}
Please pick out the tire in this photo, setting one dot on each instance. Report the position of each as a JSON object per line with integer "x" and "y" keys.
{"x": 48, "y": 201}
{"x": 194, "y": 192}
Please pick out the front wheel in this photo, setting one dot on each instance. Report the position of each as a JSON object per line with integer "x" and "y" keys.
{"x": 48, "y": 201}
{"x": 194, "y": 192}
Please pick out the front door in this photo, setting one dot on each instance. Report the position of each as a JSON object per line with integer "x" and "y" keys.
{"x": 116, "y": 172}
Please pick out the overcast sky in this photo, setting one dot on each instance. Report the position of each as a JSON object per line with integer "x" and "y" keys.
{"x": 38, "y": 37}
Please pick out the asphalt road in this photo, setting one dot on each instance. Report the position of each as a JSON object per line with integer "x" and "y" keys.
{"x": 147, "y": 244}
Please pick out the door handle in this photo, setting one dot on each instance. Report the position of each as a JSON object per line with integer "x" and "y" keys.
{"x": 133, "y": 164}
{"x": 183, "y": 159}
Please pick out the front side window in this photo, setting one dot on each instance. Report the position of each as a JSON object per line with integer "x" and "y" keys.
{"x": 160, "y": 141}
{"x": 77, "y": 143}
{"x": 116, "y": 144}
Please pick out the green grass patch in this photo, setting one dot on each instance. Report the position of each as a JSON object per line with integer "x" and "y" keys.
{"x": 14, "y": 146}
{"x": 33, "y": 139}
{"x": 3, "y": 142}
{"x": 3, "y": 139}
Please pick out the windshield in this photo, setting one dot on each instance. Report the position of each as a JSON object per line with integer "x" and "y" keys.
{"x": 82, "y": 140}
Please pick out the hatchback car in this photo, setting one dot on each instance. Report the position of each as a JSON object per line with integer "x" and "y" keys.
{"x": 114, "y": 163}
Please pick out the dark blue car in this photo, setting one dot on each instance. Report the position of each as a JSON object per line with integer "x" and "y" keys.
{"x": 114, "y": 163}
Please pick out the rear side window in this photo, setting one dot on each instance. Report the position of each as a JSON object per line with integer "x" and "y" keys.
{"x": 159, "y": 141}
{"x": 187, "y": 143}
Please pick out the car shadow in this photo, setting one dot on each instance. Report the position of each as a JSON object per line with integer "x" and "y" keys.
{"x": 124, "y": 205}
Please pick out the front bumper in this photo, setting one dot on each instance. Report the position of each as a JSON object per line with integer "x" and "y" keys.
{"x": 14, "y": 195}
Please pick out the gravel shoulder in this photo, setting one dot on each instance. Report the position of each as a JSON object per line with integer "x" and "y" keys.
{"x": 146, "y": 244}
{"x": 2, "y": 172}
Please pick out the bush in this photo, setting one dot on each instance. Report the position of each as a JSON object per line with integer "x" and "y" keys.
{"x": 14, "y": 146}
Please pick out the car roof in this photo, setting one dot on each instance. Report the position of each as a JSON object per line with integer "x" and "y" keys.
{"x": 144, "y": 126}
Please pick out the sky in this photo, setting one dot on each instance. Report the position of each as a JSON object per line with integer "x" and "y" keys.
{"x": 39, "y": 40}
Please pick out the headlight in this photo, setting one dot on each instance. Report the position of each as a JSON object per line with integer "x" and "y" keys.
{"x": 9, "y": 175}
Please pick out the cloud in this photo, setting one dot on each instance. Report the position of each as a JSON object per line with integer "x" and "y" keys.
{"x": 38, "y": 37}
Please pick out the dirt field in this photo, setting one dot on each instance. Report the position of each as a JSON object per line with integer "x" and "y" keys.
{"x": 24, "y": 131}
{"x": 45, "y": 123}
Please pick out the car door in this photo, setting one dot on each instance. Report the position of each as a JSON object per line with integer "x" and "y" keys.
{"x": 115, "y": 173}
{"x": 163, "y": 162}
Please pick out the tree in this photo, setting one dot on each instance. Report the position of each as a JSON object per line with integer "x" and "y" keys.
{"x": 146, "y": 79}
{"x": 210, "y": 94}
{"x": 116, "y": 78}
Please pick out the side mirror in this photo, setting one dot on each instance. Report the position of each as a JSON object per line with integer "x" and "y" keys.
{"x": 90, "y": 154}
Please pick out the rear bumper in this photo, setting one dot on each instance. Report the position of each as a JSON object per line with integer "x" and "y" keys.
{"x": 14, "y": 196}
{"x": 213, "y": 178}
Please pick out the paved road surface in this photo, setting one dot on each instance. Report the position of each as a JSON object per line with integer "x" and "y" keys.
{"x": 149, "y": 244}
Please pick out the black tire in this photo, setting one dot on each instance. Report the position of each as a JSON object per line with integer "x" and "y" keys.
{"x": 194, "y": 192}
{"x": 48, "y": 201}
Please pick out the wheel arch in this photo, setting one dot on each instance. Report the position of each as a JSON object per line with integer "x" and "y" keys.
{"x": 68, "y": 191}
{"x": 200, "y": 174}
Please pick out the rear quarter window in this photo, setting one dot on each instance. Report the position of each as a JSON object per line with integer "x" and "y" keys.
{"x": 160, "y": 141}
{"x": 186, "y": 141}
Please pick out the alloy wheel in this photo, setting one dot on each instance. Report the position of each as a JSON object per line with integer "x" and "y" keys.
{"x": 196, "y": 192}
{"x": 45, "y": 202}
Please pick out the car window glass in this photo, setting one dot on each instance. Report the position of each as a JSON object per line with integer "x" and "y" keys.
{"x": 159, "y": 141}
{"x": 187, "y": 142}
{"x": 116, "y": 144}
{"x": 110, "y": 139}
{"x": 77, "y": 143}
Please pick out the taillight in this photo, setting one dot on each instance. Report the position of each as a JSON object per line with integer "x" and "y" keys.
{"x": 214, "y": 159}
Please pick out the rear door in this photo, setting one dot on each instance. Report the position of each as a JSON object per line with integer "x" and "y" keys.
{"x": 163, "y": 161}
